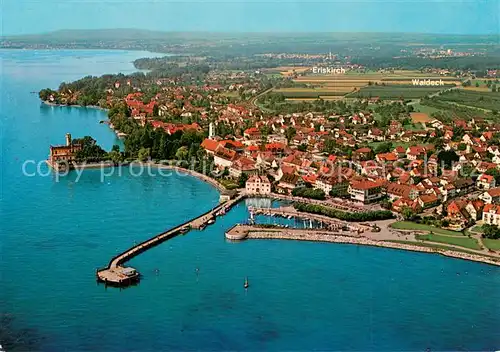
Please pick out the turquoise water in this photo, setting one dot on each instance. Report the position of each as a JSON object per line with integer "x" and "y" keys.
{"x": 303, "y": 296}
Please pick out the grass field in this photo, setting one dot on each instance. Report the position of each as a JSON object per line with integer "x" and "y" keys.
{"x": 466, "y": 242}
{"x": 477, "y": 229}
{"x": 492, "y": 244}
{"x": 395, "y": 144}
{"x": 425, "y": 109}
{"x": 408, "y": 225}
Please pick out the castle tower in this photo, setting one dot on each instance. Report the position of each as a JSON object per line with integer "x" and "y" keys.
{"x": 68, "y": 139}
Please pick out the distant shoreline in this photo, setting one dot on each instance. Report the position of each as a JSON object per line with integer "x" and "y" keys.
{"x": 48, "y": 103}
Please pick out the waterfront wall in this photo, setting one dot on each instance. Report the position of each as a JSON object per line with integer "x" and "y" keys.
{"x": 335, "y": 238}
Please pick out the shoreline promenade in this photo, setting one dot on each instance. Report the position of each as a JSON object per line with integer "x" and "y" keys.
{"x": 242, "y": 232}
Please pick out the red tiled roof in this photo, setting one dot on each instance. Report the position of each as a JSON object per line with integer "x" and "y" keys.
{"x": 428, "y": 198}
{"x": 364, "y": 185}
{"x": 209, "y": 144}
{"x": 494, "y": 192}
{"x": 491, "y": 208}
{"x": 363, "y": 150}
{"x": 225, "y": 153}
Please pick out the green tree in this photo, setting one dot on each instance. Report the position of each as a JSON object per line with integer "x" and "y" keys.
{"x": 181, "y": 153}
{"x": 290, "y": 133}
{"x": 447, "y": 158}
{"x": 384, "y": 147}
{"x": 115, "y": 156}
{"x": 408, "y": 213}
{"x": 242, "y": 180}
{"x": 144, "y": 154}
{"x": 302, "y": 147}
{"x": 495, "y": 173}
{"x": 491, "y": 231}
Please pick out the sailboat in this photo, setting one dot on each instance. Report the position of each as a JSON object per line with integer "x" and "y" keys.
{"x": 246, "y": 284}
{"x": 251, "y": 220}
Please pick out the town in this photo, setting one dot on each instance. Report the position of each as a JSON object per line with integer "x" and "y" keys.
{"x": 377, "y": 157}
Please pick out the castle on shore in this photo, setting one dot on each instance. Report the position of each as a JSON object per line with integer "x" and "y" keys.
{"x": 62, "y": 156}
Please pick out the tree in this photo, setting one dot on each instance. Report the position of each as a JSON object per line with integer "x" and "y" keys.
{"x": 308, "y": 193}
{"x": 242, "y": 180}
{"x": 90, "y": 151}
{"x": 447, "y": 158}
{"x": 290, "y": 133}
{"x": 144, "y": 154}
{"x": 115, "y": 156}
{"x": 181, "y": 153}
{"x": 408, "y": 213}
{"x": 491, "y": 231}
{"x": 386, "y": 204}
{"x": 302, "y": 147}
{"x": 495, "y": 173}
{"x": 384, "y": 147}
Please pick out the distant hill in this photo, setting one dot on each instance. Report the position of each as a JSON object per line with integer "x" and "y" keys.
{"x": 129, "y": 34}
{"x": 385, "y": 45}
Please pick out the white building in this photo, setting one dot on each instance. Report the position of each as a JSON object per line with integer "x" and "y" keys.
{"x": 485, "y": 181}
{"x": 491, "y": 214}
{"x": 490, "y": 196}
{"x": 365, "y": 191}
{"x": 258, "y": 185}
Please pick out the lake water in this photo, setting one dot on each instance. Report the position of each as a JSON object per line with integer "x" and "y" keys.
{"x": 302, "y": 296}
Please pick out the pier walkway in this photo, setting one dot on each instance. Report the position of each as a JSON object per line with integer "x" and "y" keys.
{"x": 118, "y": 275}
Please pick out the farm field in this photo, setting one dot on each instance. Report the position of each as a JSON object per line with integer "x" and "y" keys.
{"x": 481, "y": 84}
{"x": 419, "y": 117}
{"x": 395, "y": 92}
{"x": 309, "y": 92}
{"x": 478, "y": 89}
{"x": 361, "y": 85}
{"x": 481, "y": 100}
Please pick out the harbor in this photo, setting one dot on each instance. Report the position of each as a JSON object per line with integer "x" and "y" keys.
{"x": 115, "y": 274}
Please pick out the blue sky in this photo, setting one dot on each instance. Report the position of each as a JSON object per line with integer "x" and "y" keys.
{"x": 427, "y": 16}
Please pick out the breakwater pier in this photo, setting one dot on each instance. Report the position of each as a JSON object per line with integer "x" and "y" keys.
{"x": 115, "y": 274}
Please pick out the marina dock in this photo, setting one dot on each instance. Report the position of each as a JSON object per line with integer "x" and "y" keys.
{"x": 327, "y": 223}
{"x": 116, "y": 274}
